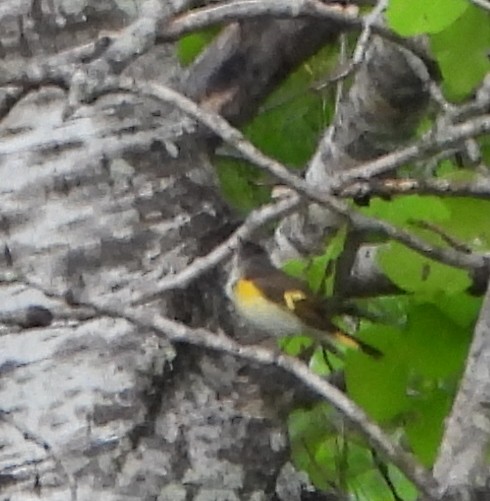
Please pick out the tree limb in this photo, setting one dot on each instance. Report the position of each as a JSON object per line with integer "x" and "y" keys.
{"x": 204, "y": 17}
{"x": 200, "y": 265}
{"x": 178, "y": 332}
{"x": 236, "y": 139}
{"x": 462, "y": 461}
{"x": 478, "y": 187}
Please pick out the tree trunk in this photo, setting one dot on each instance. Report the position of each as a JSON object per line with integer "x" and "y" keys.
{"x": 94, "y": 202}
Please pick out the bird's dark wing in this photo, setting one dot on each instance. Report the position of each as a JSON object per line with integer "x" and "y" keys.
{"x": 293, "y": 294}
{"x": 281, "y": 289}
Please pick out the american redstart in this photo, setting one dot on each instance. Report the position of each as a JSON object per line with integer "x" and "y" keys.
{"x": 281, "y": 305}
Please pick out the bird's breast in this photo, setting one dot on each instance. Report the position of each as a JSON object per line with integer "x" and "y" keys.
{"x": 261, "y": 312}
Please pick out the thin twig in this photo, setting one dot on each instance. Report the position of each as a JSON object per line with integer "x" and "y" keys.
{"x": 375, "y": 436}
{"x": 363, "y": 41}
{"x": 432, "y": 142}
{"x": 178, "y": 332}
{"x": 256, "y": 219}
{"x": 171, "y": 30}
{"x": 451, "y": 241}
{"x": 478, "y": 187}
{"x": 236, "y": 139}
{"x": 339, "y": 91}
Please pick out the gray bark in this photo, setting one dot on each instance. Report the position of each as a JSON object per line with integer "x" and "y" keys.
{"x": 91, "y": 205}
{"x": 461, "y": 467}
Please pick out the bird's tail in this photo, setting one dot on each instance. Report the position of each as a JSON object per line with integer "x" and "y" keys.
{"x": 352, "y": 342}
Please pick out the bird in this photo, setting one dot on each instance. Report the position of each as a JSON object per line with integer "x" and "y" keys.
{"x": 281, "y": 305}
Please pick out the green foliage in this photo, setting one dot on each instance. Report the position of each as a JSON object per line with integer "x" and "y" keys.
{"x": 320, "y": 446}
{"x": 190, "y": 46}
{"x": 319, "y": 271}
{"x": 287, "y": 128}
{"x": 470, "y": 222}
{"x": 425, "y": 331}
{"x": 461, "y": 51}
{"x": 288, "y": 125}
{"x": 312, "y": 439}
{"x": 241, "y": 184}
{"x": 404, "y": 488}
{"x": 417, "y": 17}
{"x": 413, "y": 272}
{"x": 459, "y": 34}
{"x": 485, "y": 149}
{"x": 379, "y": 386}
{"x": 425, "y": 423}
{"x": 424, "y": 336}
{"x": 461, "y": 308}
{"x": 404, "y": 210}
{"x": 429, "y": 332}
{"x": 461, "y": 219}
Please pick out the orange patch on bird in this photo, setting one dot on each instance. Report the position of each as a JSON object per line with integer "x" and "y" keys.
{"x": 346, "y": 340}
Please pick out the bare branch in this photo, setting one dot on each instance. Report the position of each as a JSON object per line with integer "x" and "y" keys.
{"x": 249, "y": 9}
{"x": 200, "y": 265}
{"x": 478, "y": 187}
{"x": 475, "y": 107}
{"x": 363, "y": 41}
{"x": 433, "y": 142}
{"x": 226, "y": 12}
{"x": 236, "y": 139}
{"x": 462, "y": 461}
{"x": 450, "y": 240}
{"x": 178, "y": 332}
{"x": 110, "y": 53}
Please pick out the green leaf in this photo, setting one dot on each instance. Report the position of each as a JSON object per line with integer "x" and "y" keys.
{"x": 400, "y": 211}
{"x": 378, "y": 386}
{"x": 328, "y": 465}
{"x": 319, "y": 365}
{"x": 470, "y": 221}
{"x": 485, "y": 149}
{"x": 435, "y": 346}
{"x": 238, "y": 182}
{"x": 461, "y": 51}
{"x": 370, "y": 486}
{"x": 296, "y": 267}
{"x": 316, "y": 273}
{"x": 416, "y": 17}
{"x": 291, "y": 119}
{"x": 390, "y": 310}
{"x": 295, "y": 345}
{"x": 461, "y": 308}
{"x": 315, "y": 270}
{"x": 310, "y": 424}
{"x": 313, "y": 439}
{"x": 424, "y": 429}
{"x": 404, "y": 488}
{"x": 321, "y": 274}
{"x": 191, "y": 45}
{"x": 416, "y": 273}
{"x": 359, "y": 459}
